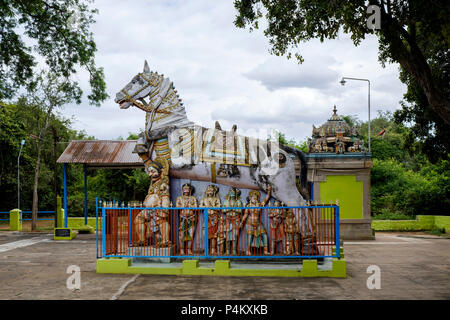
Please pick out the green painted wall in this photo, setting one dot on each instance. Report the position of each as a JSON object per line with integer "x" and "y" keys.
{"x": 347, "y": 191}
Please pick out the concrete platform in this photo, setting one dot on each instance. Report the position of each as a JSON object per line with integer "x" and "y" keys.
{"x": 335, "y": 268}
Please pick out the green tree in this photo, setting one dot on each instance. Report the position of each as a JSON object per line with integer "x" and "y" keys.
{"x": 11, "y": 134}
{"x": 408, "y": 31}
{"x": 396, "y": 189}
{"x": 50, "y": 92}
{"x": 18, "y": 121}
{"x": 290, "y": 142}
{"x": 429, "y": 133}
{"x": 403, "y": 181}
{"x": 57, "y": 31}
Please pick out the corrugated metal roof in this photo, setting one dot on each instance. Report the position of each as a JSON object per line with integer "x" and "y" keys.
{"x": 101, "y": 153}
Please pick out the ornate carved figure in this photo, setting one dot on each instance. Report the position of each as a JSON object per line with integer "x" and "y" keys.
{"x": 221, "y": 234}
{"x": 318, "y": 145}
{"x": 292, "y": 232}
{"x": 356, "y": 146}
{"x": 233, "y": 219}
{"x": 196, "y": 157}
{"x": 193, "y": 156}
{"x": 325, "y": 147}
{"x": 158, "y": 196}
{"x": 256, "y": 234}
{"x": 212, "y": 200}
{"x": 277, "y": 225}
{"x": 188, "y": 218}
{"x": 340, "y": 146}
{"x": 334, "y": 135}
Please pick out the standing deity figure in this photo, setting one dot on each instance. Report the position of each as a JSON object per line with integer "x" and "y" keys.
{"x": 256, "y": 234}
{"x": 211, "y": 200}
{"x": 276, "y": 225}
{"x": 188, "y": 218}
{"x": 325, "y": 145}
{"x": 318, "y": 145}
{"x": 221, "y": 234}
{"x": 158, "y": 195}
{"x": 340, "y": 146}
{"x": 292, "y": 232}
{"x": 233, "y": 219}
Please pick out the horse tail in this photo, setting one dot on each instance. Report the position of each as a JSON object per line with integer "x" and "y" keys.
{"x": 303, "y": 169}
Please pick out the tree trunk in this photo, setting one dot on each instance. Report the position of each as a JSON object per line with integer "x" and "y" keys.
{"x": 55, "y": 174}
{"x": 35, "y": 188}
{"x": 34, "y": 210}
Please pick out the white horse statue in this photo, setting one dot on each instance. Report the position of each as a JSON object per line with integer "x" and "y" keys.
{"x": 203, "y": 154}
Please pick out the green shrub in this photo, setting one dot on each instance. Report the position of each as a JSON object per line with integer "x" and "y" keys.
{"x": 388, "y": 215}
{"x": 399, "y": 190}
{"x": 436, "y": 231}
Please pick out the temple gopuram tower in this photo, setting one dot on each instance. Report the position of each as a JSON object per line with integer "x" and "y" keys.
{"x": 339, "y": 170}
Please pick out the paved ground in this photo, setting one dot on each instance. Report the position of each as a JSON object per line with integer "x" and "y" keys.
{"x": 413, "y": 266}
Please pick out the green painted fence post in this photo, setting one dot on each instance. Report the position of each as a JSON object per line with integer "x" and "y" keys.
{"x": 15, "y": 220}
{"x": 59, "y": 213}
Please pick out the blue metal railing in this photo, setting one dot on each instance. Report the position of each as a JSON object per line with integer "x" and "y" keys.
{"x": 319, "y": 222}
{"x": 29, "y": 219}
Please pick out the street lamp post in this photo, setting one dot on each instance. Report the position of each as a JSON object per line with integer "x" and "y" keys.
{"x": 342, "y": 82}
{"x": 18, "y": 174}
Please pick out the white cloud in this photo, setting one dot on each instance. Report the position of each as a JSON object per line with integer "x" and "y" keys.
{"x": 278, "y": 72}
{"x": 225, "y": 73}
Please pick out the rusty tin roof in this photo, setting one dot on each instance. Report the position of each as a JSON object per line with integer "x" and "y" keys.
{"x": 101, "y": 153}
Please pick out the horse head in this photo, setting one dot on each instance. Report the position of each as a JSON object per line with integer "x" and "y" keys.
{"x": 163, "y": 106}
{"x": 145, "y": 84}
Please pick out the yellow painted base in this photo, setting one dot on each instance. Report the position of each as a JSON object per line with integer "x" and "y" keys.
{"x": 73, "y": 235}
{"x": 221, "y": 268}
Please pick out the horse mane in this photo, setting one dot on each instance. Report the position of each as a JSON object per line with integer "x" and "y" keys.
{"x": 165, "y": 105}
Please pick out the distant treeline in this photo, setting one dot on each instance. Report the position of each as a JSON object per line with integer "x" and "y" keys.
{"x": 404, "y": 181}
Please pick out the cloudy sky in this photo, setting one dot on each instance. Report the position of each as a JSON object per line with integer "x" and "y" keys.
{"x": 227, "y": 74}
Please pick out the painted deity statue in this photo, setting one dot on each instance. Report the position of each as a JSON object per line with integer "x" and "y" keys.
{"x": 158, "y": 195}
{"x": 292, "y": 233}
{"x": 211, "y": 199}
{"x": 221, "y": 234}
{"x": 340, "y": 146}
{"x": 256, "y": 234}
{"x": 233, "y": 219}
{"x": 277, "y": 225}
{"x": 188, "y": 218}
